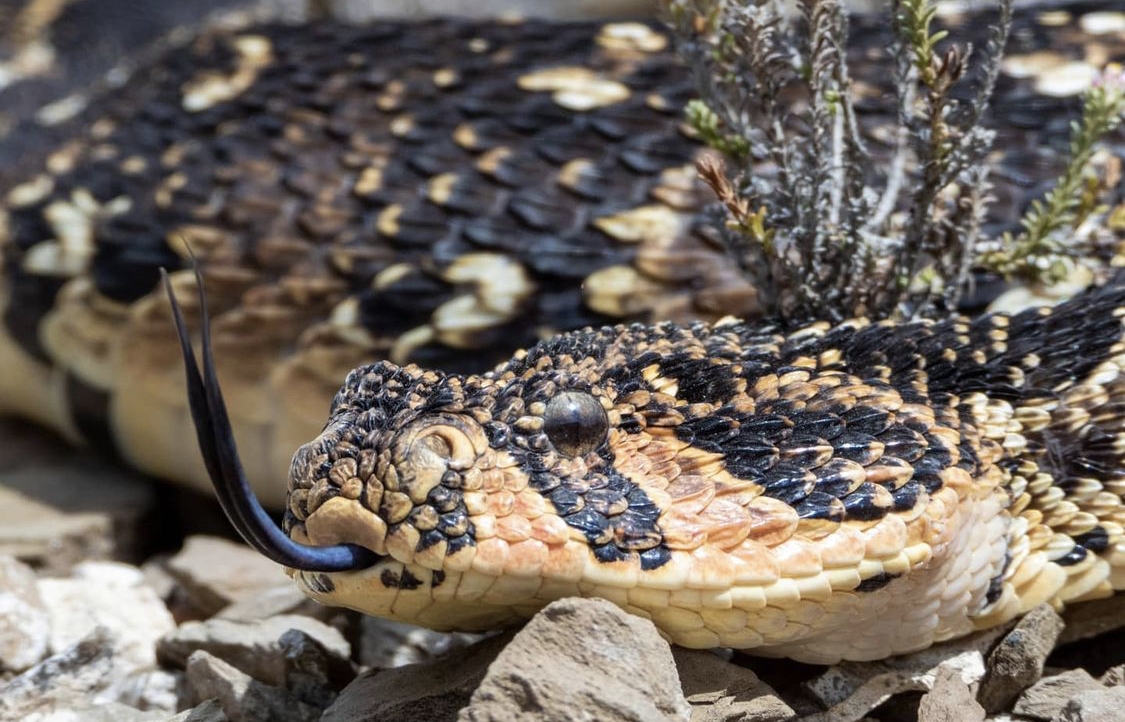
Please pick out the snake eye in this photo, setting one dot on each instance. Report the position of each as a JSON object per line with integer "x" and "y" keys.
{"x": 575, "y": 423}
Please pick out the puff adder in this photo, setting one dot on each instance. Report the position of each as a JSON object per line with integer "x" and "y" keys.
{"x": 844, "y": 492}
{"x": 442, "y": 192}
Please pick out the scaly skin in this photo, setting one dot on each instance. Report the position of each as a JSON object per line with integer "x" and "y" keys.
{"x": 825, "y": 494}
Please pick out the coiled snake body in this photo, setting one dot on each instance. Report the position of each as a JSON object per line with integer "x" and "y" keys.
{"x": 446, "y": 192}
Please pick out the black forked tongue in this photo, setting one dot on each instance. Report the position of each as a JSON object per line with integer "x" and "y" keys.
{"x": 220, "y": 456}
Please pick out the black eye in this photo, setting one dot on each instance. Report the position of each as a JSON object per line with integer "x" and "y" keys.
{"x": 575, "y": 423}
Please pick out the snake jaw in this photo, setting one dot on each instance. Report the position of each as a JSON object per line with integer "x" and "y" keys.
{"x": 220, "y": 456}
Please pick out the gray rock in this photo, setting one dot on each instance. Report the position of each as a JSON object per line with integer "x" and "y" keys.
{"x": 1016, "y": 662}
{"x": 71, "y": 677}
{"x": 215, "y": 572}
{"x": 252, "y": 647}
{"x": 581, "y": 659}
{"x": 949, "y": 700}
{"x": 852, "y": 689}
{"x": 209, "y": 711}
{"x": 86, "y": 711}
{"x": 1045, "y": 699}
{"x": 1114, "y": 676}
{"x": 111, "y": 595}
{"x": 243, "y": 698}
{"x": 25, "y": 626}
{"x": 283, "y": 598}
{"x": 384, "y": 643}
{"x": 312, "y": 673}
{"x": 57, "y": 515}
{"x": 435, "y": 691}
{"x": 150, "y": 689}
{"x": 1095, "y": 705}
{"x": 719, "y": 691}
{"x": 1089, "y": 619}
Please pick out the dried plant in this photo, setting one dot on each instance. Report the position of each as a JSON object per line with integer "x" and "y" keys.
{"x": 801, "y": 210}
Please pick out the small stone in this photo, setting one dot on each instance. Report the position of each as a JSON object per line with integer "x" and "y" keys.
{"x": 719, "y": 691}
{"x": 949, "y": 700}
{"x": 209, "y": 711}
{"x": 252, "y": 647}
{"x": 1016, "y": 662}
{"x": 216, "y": 572}
{"x": 284, "y": 598}
{"x": 1095, "y": 705}
{"x": 581, "y": 659}
{"x": 1045, "y": 699}
{"x": 1114, "y": 676}
{"x": 61, "y": 680}
{"x": 54, "y": 516}
{"x": 384, "y": 643}
{"x": 1090, "y": 619}
{"x": 852, "y": 689}
{"x": 243, "y": 698}
{"x": 155, "y": 689}
{"x": 87, "y": 711}
{"x": 25, "y": 626}
{"x": 435, "y": 691}
{"x": 312, "y": 673}
{"x": 111, "y": 595}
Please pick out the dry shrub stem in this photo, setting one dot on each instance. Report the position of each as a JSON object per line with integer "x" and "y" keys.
{"x": 814, "y": 226}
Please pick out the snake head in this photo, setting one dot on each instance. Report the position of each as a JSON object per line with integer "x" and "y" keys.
{"x": 456, "y": 481}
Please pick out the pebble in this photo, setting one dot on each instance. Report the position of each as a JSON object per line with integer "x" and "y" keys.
{"x": 215, "y": 572}
{"x": 719, "y": 691}
{"x": 113, "y": 596}
{"x": 949, "y": 700}
{"x": 243, "y": 698}
{"x": 1045, "y": 699}
{"x": 254, "y": 647}
{"x": 581, "y": 659}
{"x": 1016, "y": 662}
{"x": 25, "y": 626}
{"x": 435, "y": 691}
{"x": 1095, "y": 705}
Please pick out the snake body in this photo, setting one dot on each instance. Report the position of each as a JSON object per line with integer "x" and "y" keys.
{"x": 441, "y": 192}
{"x": 444, "y": 193}
{"x": 832, "y": 492}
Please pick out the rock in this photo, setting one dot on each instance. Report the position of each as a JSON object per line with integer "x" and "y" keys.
{"x": 312, "y": 673}
{"x": 282, "y": 598}
{"x": 949, "y": 700}
{"x": 25, "y": 626}
{"x": 384, "y": 643}
{"x": 110, "y": 595}
{"x": 65, "y": 679}
{"x": 718, "y": 690}
{"x": 252, "y": 647}
{"x": 1095, "y": 705}
{"x": 434, "y": 692}
{"x": 55, "y": 516}
{"x": 1114, "y": 676}
{"x": 1090, "y": 619}
{"x": 1045, "y": 699}
{"x": 209, "y": 711}
{"x": 581, "y": 659}
{"x": 852, "y": 689}
{"x": 243, "y": 698}
{"x": 85, "y": 711}
{"x": 1018, "y": 658}
{"x": 151, "y": 689}
{"x": 215, "y": 572}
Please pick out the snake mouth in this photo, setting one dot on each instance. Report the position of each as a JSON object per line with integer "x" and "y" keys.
{"x": 220, "y": 457}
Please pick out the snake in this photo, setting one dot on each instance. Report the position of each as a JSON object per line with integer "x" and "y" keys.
{"x": 819, "y": 493}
